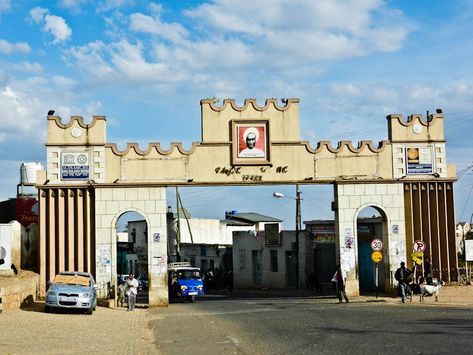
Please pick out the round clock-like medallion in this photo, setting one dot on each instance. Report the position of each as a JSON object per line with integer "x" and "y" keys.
{"x": 417, "y": 128}
{"x": 412, "y": 153}
{"x": 76, "y": 132}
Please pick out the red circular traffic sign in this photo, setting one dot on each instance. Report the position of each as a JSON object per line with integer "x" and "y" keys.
{"x": 418, "y": 245}
{"x": 376, "y": 245}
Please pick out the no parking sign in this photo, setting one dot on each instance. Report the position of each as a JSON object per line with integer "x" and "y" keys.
{"x": 418, "y": 246}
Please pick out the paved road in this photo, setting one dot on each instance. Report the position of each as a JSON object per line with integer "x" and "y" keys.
{"x": 244, "y": 324}
{"x": 310, "y": 326}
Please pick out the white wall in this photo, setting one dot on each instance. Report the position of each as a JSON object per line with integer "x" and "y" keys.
{"x": 244, "y": 244}
{"x": 205, "y": 231}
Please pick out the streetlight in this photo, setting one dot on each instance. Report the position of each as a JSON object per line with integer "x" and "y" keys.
{"x": 298, "y": 224}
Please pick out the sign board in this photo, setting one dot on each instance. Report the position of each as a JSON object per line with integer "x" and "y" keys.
{"x": 75, "y": 166}
{"x": 376, "y": 245}
{"x": 418, "y": 245}
{"x": 419, "y": 160}
{"x": 469, "y": 250}
{"x": 376, "y": 256}
{"x": 395, "y": 228}
{"x": 417, "y": 257}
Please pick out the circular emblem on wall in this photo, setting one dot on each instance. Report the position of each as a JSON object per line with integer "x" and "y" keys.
{"x": 76, "y": 132}
{"x": 82, "y": 159}
{"x": 412, "y": 153}
{"x": 417, "y": 128}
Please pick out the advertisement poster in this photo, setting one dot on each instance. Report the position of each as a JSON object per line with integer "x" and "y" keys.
{"x": 27, "y": 210}
{"x": 419, "y": 160}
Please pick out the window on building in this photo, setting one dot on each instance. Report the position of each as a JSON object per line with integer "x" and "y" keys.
{"x": 133, "y": 234}
{"x": 242, "y": 260}
{"x": 274, "y": 260}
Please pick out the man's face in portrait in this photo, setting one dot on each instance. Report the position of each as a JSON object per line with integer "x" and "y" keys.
{"x": 251, "y": 140}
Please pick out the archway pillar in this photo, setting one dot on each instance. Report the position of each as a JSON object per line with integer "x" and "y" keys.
{"x": 350, "y": 199}
{"x": 150, "y": 202}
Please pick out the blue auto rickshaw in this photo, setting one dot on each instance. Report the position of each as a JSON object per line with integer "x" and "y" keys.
{"x": 184, "y": 282}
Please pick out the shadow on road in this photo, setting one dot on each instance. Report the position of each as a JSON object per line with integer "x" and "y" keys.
{"x": 224, "y": 295}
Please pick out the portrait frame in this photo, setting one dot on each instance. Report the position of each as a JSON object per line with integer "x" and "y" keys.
{"x": 242, "y": 154}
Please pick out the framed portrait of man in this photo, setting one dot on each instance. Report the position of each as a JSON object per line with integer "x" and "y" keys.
{"x": 250, "y": 140}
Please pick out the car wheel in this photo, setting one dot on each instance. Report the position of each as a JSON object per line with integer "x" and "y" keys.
{"x": 89, "y": 311}
{"x": 47, "y": 309}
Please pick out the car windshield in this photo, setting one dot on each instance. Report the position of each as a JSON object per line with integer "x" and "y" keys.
{"x": 188, "y": 274}
{"x": 67, "y": 279}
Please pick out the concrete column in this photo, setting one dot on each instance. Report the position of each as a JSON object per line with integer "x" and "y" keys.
{"x": 70, "y": 240}
{"x": 42, "y": 241}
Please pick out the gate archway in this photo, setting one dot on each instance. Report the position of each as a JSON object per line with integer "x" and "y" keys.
{"x": 388, "y": 175}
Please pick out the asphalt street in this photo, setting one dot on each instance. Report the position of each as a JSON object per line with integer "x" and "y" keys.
{"x": 219, "y": 324}
{"x": 249, "y": 323}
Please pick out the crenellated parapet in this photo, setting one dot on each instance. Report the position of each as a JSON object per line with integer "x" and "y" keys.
{"x": 416, "y": 128}
{"x": 346, "y": 147}
{"x": 217, "y": 120}
{"x": 153, "y": 148}
{"x": 273, "y": 103}
{"x": 76, "y": 131}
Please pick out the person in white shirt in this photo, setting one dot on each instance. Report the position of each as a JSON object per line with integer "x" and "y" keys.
{"x": 131, "y": 291}
{"x": 251, "y": 137}
{"x": 340, "y": 279}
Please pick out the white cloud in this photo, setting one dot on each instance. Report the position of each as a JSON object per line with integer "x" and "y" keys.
{"x": 58, "y": 27}
{"x": 270, "y": 34}
{"x": 109, "y": 5}
{"x": 5, "y": 5}
{"x": 37, "y": 14}
{"x": 20, "y": 112}
{"x": 11, "y": 48}
{"x": 73, "y": 4}
{"x": 28, "y": 67}
{"x": 53, "y": 24}
{"x": 312, "y": 30}
{"x": 173, "y": 32}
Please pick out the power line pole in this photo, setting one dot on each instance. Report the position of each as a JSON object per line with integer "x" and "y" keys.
{"x": 178, "y": 237}
{"x": 298, "y": 228}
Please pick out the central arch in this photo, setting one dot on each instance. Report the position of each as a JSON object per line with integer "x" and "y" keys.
{"x": 371, "y": 223}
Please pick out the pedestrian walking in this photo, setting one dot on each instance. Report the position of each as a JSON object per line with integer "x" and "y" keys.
{"x": 340, "y": 279}
{"x": 428, "y": 270}
{"x": 131, "y": 291}
{"x": 402, "y": 276}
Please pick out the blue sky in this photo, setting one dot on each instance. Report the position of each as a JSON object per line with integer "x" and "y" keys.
{"x": 146, "y": 65}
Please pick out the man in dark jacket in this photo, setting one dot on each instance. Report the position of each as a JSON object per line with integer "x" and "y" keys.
{"x": 402, "y": 277}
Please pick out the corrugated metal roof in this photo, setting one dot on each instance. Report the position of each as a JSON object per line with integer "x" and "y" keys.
{"x": 253, "y": 217}
{"x": 234, "y": 222}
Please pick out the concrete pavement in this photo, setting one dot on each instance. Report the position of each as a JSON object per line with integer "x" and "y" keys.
{"x": 108, "y": 331}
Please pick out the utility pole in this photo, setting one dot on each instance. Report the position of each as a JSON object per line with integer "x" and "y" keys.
{"x": 298, "y": 199}
{"x": 178, "y": 236}
{"x": 298, "y": 228}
